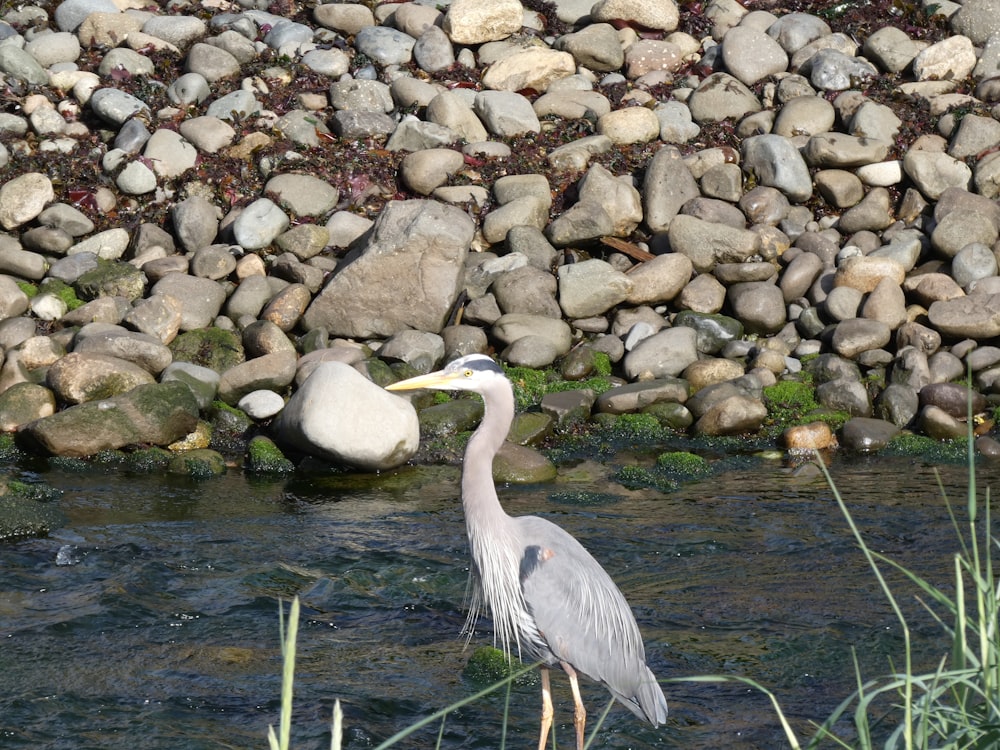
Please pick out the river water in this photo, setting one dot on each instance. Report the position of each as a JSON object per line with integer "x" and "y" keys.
{"x": 150, "y": 620}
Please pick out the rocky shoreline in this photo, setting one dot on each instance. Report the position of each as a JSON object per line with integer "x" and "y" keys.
{"x": 205, "y": 203}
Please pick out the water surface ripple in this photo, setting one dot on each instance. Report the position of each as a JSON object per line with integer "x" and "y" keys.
{"x": 150, "y": 619}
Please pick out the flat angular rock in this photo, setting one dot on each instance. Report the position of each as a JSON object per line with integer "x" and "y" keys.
{"x": 706, "y": 243}
{"x": 80, "y": 377}
{"x": 634, "y": 397}
{"x": 591, "y": 287}
{"x": 473, "y": 22}
{"x": 967, "y": 317}
{"x": 408, "y": 276}
{"x": 664, "y": 354}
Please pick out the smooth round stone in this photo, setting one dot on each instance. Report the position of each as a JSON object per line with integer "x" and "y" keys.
{"x": 809, "y": 437}
{"x": 804, "y": 115}
{"x": 116, "y": 106}
{"x": 778, "y": 164}
{"x": 751, "y": 55}
{"x": 262, "y": 404}
{"x": 136, "y": 179}
{"x": 259, "y": 224}
{"x": 867, "y": 435}
{"x": 190, "y": 88}
{"x": 385, "y": 45}
{"x": 974, "y": 261}
{"x": 881, "y": 174}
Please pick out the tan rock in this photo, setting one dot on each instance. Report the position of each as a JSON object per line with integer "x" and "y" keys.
{"x": 475, "y": 22}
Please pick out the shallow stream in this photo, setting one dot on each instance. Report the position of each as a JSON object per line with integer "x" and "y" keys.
{"x": 150, "y": 620}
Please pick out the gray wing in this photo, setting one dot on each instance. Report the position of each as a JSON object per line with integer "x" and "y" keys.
{"x": 584, "y": 619}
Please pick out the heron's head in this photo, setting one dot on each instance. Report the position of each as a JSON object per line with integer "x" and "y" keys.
{"x": 473, "y": 372}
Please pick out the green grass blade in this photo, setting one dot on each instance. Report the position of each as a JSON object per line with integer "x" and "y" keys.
{"x": 403, "y": 733}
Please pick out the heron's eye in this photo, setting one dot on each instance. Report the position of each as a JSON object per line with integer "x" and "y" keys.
{"x": 468, "y": 373}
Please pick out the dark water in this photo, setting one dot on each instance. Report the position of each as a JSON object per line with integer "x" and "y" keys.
{"x": 150, "y": 620}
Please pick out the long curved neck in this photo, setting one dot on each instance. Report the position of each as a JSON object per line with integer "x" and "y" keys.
{"x": 479, "y": 496}
{"x": 496, "y": 552}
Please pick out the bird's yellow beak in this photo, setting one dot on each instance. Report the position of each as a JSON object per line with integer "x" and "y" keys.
{"x": 440, "y": 380}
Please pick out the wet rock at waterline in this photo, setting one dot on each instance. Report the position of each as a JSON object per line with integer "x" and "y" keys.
{"x": 339, "y": 415}
{"x": 225, "y": 200}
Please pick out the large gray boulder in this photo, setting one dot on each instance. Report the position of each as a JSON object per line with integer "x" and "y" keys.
{"x": 339, "y": 415}
{"x": 408, "y": 275}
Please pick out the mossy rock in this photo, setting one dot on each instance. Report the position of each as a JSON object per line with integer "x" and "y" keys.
{"x": 670, "y": 414}
{"x": 28, "y": 510}
{"x": 264, "y": 457}
{"x": 148, "y": 460}
{"x": 789, "y": 403}
{"x": 639, "y": 477}
{"x": 62, "y": 290}
{"x": 203, "y": 463}
{"x": 683, "y": 466}
{"x": 112, "y": 279}
{"x": 215, "y": 348}
{"x": 231, "y": 428}
{"x": 489, "y": 665}
{"x": 458, "y": 415}
{"x": 583, "y": 362}
{"x": 921, "y": 446}
{"x": 530, "y": 428}
{"x": 518, "y": 464}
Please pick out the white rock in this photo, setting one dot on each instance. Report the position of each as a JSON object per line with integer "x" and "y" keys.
{"x": 339, "y": 415}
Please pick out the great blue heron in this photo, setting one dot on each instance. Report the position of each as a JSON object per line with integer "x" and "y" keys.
{"x": 549, "y": 598}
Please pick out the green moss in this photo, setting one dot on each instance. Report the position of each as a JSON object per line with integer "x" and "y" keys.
{"x": 41, "y": 493}
{"x": 8, "y": 447}
{"x": 264, "y": 457}
{"x": 531, "y": 385}
{"x": 148, "y": 460}
{"x": 63, "y": 291}
{"x": 583, "y": 498}
{"x": 198, "y": 464}
{"x": 921, "y": 446}
{"x": 683, "y": 465}
{"x": 28, "y": 288}
{"x": 489, "y": 665}
{"x": 26, "y": 509}
{"x": 215, "y": 348}
{"x": 638, "y": 477}
{"x": 602, "y": 364}
{"x": 638, "y": 427}
{"x": 793, "y": 402}
{"x": 788, "y": 400}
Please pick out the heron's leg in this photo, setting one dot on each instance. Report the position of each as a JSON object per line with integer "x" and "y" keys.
{"x": 579, "y": 713}
{"x": 546, "y": 709}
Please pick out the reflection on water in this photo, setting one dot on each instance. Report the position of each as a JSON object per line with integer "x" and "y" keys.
{"x": 151, "y": 618}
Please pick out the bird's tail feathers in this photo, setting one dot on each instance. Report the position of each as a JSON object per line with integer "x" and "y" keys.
{"x": 648, "y": 701}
